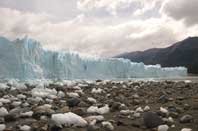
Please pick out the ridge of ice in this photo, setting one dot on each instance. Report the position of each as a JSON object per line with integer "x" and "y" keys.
{"x": 25, "y": 59}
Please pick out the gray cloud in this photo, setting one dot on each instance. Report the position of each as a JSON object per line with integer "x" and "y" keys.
{"x": 185, "y": 10}
{"x": 95, "y": 33}
{"x": 59, "y": 10}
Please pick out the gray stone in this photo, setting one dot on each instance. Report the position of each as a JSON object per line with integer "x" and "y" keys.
{"x": 72, "y": 102}
{"x": 186, "y": 119}
{"x": 152, "y": 120}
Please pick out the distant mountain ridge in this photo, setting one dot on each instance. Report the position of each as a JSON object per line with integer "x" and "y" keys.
{"x": 183, "y": 53}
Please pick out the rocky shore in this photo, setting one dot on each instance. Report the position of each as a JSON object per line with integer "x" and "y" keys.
{"x": 99, "y": 106}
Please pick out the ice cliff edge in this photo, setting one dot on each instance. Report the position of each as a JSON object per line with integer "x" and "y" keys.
{"x": 26, "y": 59}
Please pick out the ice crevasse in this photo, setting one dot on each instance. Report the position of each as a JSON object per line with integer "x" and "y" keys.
{"x": 26, "y": 59}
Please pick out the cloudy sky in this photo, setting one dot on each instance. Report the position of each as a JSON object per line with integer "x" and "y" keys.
{"x": 100, "y": 27}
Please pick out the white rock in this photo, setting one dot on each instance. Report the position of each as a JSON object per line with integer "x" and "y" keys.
{"x": 21, "y": 96}
{"x": 186, "y": 129}
{"x": 108, "y": 125}
{"x": 16, "y": 103}
{"x": 3, "y": 111}
{"x": 3, "y": 86}
{"x": 170, "y": 119}
{"x": 136, "y": 114}
{"x": 172, "y": 126}
{"x": 5, "y": 101}
{"x": 163, "y": 110}
{"x": 126, "y": 112}
{"x": 49, "y": 100}
{"x": 96, "y": 91}
{"x": 92, "y": 100}
{"x": 163, "y": 128}
{"x": 61, "y": 94}
{"x": 27, "y": 114}
{"x": 25, "y": 104}
{"x": 69, "y": 119}
{"x": 79, "y": 91}
{"x": 139, "y": 109}
{"x": 114, "y": 87}
{"x": 147, "y": 108}
{"x": 73, "y": 94}
{"x": 97, "y": 118}
{"x": 2, "y": 127}
{"x": 102, "y": 110}
{"x": 44, "y": 92}
{"x": 25, "y": 128}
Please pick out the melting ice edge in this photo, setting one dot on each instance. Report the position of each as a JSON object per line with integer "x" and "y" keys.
{"x": 25, "y": 59}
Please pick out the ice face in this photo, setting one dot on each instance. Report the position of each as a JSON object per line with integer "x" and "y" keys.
{"x": 25, "y": 59}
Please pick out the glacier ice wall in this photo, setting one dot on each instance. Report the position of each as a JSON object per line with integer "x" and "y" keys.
{"x": 26, "y": 59}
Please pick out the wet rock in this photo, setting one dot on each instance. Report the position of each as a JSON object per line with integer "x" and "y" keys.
{"x": 152, "y": 120}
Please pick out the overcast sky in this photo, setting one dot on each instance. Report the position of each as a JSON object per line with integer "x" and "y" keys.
{"x": 100, "y": 27}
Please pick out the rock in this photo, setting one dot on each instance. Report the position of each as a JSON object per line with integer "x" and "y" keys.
{"x": 163, "y": 99}
{"x": 186, "y": 119}
{"x": 164, "y": 111}
{"x": 83, "y": 104}
{"x": 26, "y": 114}
{"x": 139, "y": 109}
{"x": 2, "y": 127}
{"x": 68, "y": 119}
{"x": 146, "y": 108}
{"x": 55, "y": 128}
{"x": 137, "y": 123}
{"x": 186, "y": 129}
{"x": 98, "y": 118}
{"x": 163, "y": 128}
{"x": 91, "y": 100}
{"x": 186, "y": 106}
{"x": 10, "y": 118}
{"x": 92, "y": 128}
{"x": 3, "y": 112}
{"x": 172, "y": 108}
{"x": 64, "y": 109}
{"x": 25, "y": 128}
{"x": 125, "y": 112}
{"x": 136, "y": 114}
{"x": 79, "y": 111}
{"x": 108, "y": 126}
{"x": 173, "y": 114}
{"x": 115, "y": 106}
{"x": 152, "y": 120}
{"x": 72, "y": 102}
{"x": 195, "y": 106}
{"x": 42, "y": 110}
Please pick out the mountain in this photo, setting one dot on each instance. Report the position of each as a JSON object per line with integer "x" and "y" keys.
{"x": 183, "y": 53}
{"x": 26, "y": 59}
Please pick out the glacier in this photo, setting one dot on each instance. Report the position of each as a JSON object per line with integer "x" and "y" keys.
{"x": 26, "y": 59}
